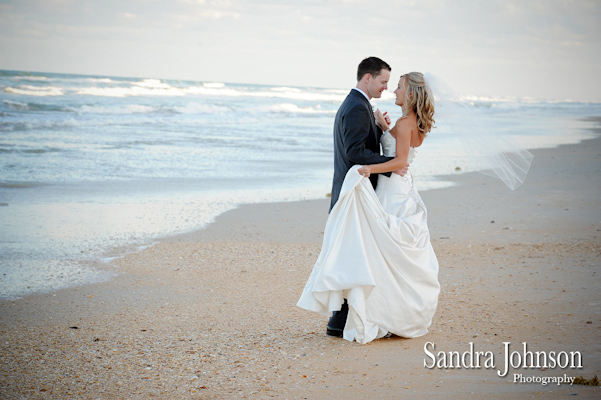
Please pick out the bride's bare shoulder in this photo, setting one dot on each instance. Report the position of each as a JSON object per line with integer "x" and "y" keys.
{"x": 403, "y": 128}
{"x": 406, "y": 122}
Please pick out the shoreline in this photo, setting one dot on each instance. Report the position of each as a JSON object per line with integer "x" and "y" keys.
{"x": 225, "y": 226}
{"x": 88, "y": 244}
{"x": 211, "y": 314}
{"x": 239, "y": 223}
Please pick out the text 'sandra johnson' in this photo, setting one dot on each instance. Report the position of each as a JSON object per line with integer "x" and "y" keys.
{"x": 513, "y": 359}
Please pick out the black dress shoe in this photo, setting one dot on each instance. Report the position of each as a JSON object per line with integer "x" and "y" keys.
{"x": 334, "y": 332}
{"x": 337, "y": 321}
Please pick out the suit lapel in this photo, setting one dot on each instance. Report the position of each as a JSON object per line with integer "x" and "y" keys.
{"x": 374, "y": 130}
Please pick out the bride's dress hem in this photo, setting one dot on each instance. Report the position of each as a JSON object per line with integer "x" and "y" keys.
{"x": 377, "y": 254}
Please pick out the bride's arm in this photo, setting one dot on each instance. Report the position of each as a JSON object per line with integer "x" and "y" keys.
{"x": 402, "y": 133}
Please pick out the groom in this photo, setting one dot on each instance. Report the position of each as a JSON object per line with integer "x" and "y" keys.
{"x": 357, "y": 141}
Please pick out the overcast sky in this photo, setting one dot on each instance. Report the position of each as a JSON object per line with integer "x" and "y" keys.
{"x": 546, "y": 49}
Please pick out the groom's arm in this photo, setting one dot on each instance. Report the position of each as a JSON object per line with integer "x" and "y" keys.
{"x": 356, "y": 131}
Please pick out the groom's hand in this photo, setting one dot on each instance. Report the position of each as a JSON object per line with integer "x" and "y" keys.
{"x": 403, "y": 171}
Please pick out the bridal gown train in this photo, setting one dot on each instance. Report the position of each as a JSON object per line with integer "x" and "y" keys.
{"x": 377, "y": 254}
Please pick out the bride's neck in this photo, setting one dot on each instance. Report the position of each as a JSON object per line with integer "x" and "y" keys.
{"x": 410, "y": 114}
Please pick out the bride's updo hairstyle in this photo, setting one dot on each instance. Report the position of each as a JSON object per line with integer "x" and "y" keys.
{"x": 419, "y": 98}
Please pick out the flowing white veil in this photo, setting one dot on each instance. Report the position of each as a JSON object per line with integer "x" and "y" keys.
{"x": 490, "y": 152}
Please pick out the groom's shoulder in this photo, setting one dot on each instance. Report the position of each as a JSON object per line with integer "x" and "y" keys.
{"x": 353, "y": 99}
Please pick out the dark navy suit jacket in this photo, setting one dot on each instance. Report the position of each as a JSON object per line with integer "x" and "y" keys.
{"x": 356, "y": 140}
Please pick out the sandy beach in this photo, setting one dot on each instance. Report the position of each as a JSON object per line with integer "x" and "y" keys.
{"x": 212, "y": 314}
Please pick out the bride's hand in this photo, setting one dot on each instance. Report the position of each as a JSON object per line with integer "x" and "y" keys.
{"x": 403, "y": 171}
{"x": 365, "y": 171}
{"x": 387, "y": 118}
{"x": 383, "y": 120}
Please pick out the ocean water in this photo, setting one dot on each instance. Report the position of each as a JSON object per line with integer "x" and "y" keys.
{"x": 93, "y": 166}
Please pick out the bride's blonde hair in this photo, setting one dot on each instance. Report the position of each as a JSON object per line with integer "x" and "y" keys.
{"x": 421, "y": 101}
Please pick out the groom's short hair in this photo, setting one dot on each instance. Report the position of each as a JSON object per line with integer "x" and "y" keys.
{"x": 372, "y": 66}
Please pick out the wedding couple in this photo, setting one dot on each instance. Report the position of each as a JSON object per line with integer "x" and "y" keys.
{"x": 377, "y": 271}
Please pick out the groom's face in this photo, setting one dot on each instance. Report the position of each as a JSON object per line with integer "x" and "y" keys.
{"x": 377, "y": 84}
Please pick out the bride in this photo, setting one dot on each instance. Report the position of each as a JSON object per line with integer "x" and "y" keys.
{"x": 376, "y": 251}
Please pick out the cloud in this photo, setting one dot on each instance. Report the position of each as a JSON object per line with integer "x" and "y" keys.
{"x": 206, "y": 14}
{"x": 489, "y": 46}
{"x": 127, "y": 15}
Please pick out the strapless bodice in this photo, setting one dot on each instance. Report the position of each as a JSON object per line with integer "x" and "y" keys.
{"x": 389, "y": 147}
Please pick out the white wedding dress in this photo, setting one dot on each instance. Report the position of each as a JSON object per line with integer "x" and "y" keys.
{"x": 377, "y": 254}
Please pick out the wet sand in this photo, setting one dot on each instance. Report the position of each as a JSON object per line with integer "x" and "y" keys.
{"x": 212, "y": 314}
